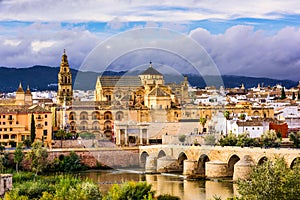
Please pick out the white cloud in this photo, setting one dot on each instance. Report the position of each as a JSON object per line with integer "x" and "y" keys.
{"x": 143, "y": 10}
{"x": 43, "y": 44}
{"x": 39, "y": 45}
{"x": 12, "y": 42}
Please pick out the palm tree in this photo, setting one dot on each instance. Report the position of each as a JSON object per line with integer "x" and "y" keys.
{"x": 203, "y": 122}
{"x": 62, "y": 134}
{"x": 227, "y": 116}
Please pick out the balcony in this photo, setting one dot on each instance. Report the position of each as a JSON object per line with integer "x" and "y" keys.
{"x": 10, "y": 119}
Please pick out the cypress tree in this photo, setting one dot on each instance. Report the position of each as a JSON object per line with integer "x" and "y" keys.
{"x": 294, "y": 96}
{"x": 283, "y": 96}
{"x": 32, "y": 129}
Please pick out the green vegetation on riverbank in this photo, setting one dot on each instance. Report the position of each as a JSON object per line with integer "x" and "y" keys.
{"x": 71, "y": 187}
{"x": 34, "y": 184}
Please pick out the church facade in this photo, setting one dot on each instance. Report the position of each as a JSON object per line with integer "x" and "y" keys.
{"x": 124, "y": 106}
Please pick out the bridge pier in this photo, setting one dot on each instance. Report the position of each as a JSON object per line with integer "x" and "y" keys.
{"x": 243, "y": 168}
{"x": 167, "y": 164}
{"x": 151, "y": 164}
{"x": 189, "y": 167}
{"x": 215, "y": 169}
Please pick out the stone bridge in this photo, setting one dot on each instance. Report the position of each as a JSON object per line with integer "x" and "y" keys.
{"x": 211, "y": 161}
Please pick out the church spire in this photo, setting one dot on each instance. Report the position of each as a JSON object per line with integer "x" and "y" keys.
{"x": 64, "y": 81}
{"x": 28, "y": 90}
{"x": 20, "y": 88}
{"x": 64, "y": 60}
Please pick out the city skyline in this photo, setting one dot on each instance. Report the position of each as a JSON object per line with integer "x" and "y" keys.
{"x": 257, "y": 38}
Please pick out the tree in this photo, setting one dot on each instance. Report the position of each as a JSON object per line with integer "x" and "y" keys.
{"x": 229, "y": 140}
{"x": 298, "y": 96}
{"x": 244, "y": 140}
{"x": 18, "y": 156}
{"x": 203, "y": 122}
{"x": 61, "y": 134}
{"x": 271, "y": 180}
{"x": 32, "y": 129}
{"x": 27, "y": 143}
{"x": 210, "y": 139}
{"x": 242, "y": 117}
{"x": 270, "y": 139}
{"x": 181, "y": 138}
{"x": 38, "y": 157}
{"x": 295, "y": 138}
{"x": 283, "y": 96}
{"x": 293, "y": 96}
{"x": 227, "y": 116}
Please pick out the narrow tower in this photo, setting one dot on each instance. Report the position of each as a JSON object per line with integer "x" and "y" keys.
{"x": 20, "y": 95}
{"x": 64, "y": 92}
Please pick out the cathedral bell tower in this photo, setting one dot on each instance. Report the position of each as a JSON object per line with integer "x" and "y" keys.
{"x": 64, "y": 92}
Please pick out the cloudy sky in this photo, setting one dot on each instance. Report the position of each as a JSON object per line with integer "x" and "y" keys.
{"x": 252, "y": 38}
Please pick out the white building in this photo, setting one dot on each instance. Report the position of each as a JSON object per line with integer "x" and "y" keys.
{"x": 254, "y": 128}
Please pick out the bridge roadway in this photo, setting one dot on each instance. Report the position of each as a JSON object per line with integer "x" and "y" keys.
{"x": 211, "y": 161}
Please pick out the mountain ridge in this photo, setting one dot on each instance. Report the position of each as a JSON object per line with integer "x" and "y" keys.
{"x": 43, "y": 78}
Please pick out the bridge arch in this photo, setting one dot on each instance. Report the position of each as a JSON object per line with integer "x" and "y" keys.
{"x": 143, "y": 158}
{"x": 201, "y": 164}
{"x": 261, "y": 160}
{"x": 182, "y": 156}
{"x": 161, "y": 154}
{"x": 294, "y": 162}
{"x": 233, "y": 159}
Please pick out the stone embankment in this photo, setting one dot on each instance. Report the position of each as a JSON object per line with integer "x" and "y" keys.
{"x": 96, "y": 153}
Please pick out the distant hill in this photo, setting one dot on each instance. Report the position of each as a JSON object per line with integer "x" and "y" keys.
{"x": 42, "y": 78}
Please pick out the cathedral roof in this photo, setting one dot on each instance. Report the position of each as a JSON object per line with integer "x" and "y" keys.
{"x": 151, "y": 71}
{"x": 158, "y": 92}
{"x": 120, "y": 81}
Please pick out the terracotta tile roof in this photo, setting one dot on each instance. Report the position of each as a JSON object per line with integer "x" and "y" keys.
{"x": 15, "y": 109}
{"x": 151, "y": 71}
{"x": 158, "y": 92}
{"x": 120, "y": 81}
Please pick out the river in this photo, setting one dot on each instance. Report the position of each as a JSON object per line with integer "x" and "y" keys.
{"x": 173, "y": 184}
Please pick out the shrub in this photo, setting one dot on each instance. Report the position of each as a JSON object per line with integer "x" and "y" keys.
{"x": 295, "y": 138}
{"x": 167, "y": 197}
{"x": 130, "y": 190}
{"x": 69, "y": 163}
{"x": 181, "y": 138}
{"x": 87, "y": 135}
{"x": 210, "y": 139}
{"x": 56, "y": 187}
{"x": 228, "y": 140}
{"x": 270, "y": 139}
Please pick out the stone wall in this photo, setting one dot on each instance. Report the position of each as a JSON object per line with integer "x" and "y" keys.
{"x": 112, "y": 158}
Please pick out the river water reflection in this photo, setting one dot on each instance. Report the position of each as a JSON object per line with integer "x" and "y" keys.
{"x": 165, "y": 184}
